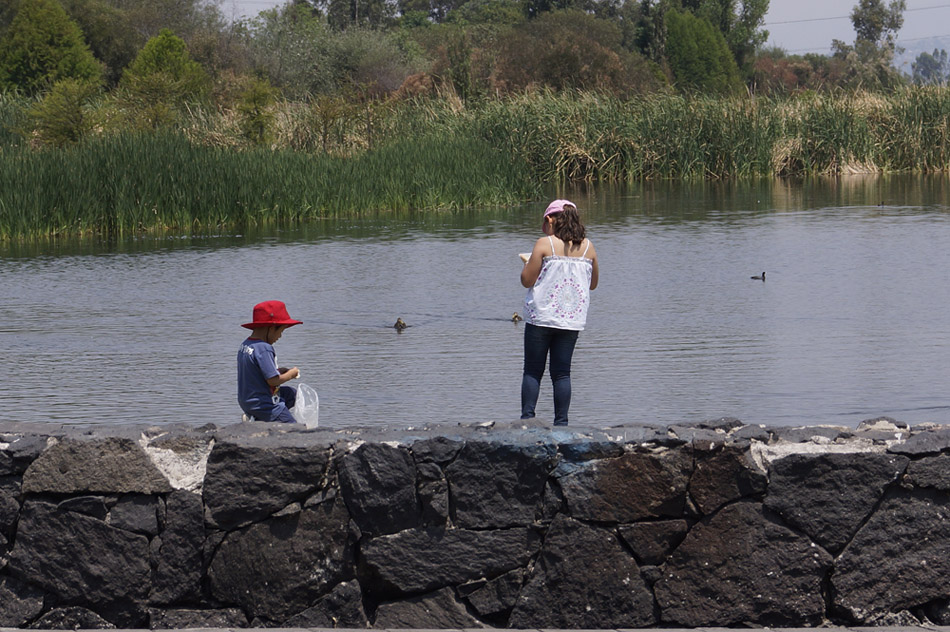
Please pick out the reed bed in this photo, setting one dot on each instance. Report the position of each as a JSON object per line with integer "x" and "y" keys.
{"x": 332, "y": 158}
{"x": 127, "y": 184}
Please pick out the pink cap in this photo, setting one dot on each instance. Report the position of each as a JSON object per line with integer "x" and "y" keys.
{"x": 557, "y": 206}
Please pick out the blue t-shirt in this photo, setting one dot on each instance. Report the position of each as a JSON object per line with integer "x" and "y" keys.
{"x": 256, "y": 363}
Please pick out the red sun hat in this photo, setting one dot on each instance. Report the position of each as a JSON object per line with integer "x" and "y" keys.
{"x": 271, "y": 314}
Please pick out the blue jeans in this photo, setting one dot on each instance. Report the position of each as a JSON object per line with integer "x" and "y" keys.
{"x": 538, "y": 343}
{"x": 287, "y": 397}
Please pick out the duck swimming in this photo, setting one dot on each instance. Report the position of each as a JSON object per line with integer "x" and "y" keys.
{"x": 758, "y": 277}
{"x": 516, "y": 318}
{"x": 400, "y": 324}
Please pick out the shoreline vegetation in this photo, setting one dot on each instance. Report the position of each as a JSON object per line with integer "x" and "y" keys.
{"x": 333, "y": 158}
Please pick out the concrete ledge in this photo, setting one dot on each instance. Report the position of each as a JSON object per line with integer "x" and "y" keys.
{"x": 717, "y": 524}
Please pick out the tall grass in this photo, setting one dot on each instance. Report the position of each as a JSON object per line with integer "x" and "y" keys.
{"x": 130, "y": 183}
{"x": 331, "y": 158}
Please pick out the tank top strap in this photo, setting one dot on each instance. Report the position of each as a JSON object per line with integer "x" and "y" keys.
{"x": 551, "y": 241}
{"x": 586, "y": 249}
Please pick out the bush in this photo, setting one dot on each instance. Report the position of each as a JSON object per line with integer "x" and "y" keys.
{"x": 63, "y": 116}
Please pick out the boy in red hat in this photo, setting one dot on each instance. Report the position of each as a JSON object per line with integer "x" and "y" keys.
{"x": 260, "y": 392}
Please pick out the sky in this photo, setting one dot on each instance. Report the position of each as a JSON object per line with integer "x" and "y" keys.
{"x": 798, "y": 26}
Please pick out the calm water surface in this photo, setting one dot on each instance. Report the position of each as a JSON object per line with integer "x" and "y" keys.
{"x": 851, "y": 323}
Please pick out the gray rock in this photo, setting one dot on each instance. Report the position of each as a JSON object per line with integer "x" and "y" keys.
{"x": 92, "y": 506}
{"x": 635, "y": 486}
{"x": 247, "y": 483}
{"x": 433, "y": 495}
{"x": 20, "y": 452}
{"x": 189, "y": 618}
{"x": 588, "y": 450}
{"x": 436, "y": 450}
{"x": 922, "y": 443}
{"x": 494, "y": 597}
{"x": 177, "y": 560}
{"x": 933, "y": 471}
{"x": 898, "y": 560}
{"x": 134, "y": 512}
{"x": 652, "y": 542}
{"x": 738, "y": 566}
{"x": 436, "y": 611}
{"x": 109, "y": 465}
{"x": 279, "y": 567}
{"x": 829, "y": 495}
{"x": 498, "y": 485}
{"x": 19, "y": 603}
{"x": 71, "y": 618}
{"x": 807, "y": 434}
{"x": 422, "y": 560}
{"x": 724, "y": 475}
{"x": 583, "y": 579}
{"x": 82, "y": 560}
{"x": 9, "y": 503}
{"x": 342, "y": 607}
{"x": 378, "y": 483}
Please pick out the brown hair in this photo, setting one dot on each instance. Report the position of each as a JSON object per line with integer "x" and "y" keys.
{"x": 567, "y": 226}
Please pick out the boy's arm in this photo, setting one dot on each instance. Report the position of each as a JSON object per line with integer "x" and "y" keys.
{"x": 286, "y": 376}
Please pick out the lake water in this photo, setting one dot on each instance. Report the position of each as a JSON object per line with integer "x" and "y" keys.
{"x": 851, "y": 323}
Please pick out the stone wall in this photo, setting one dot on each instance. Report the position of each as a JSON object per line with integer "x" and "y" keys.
{"x": 263, "y": 525}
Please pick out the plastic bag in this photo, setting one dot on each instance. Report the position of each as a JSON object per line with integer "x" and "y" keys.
{"x": 307, "y": 407}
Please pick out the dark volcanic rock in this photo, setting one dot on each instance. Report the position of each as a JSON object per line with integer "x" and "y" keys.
{"x": 583, "y": 579}
{"x": 433, "y": 495}
{"x": 738, "y": 566}
{"x": 436, "y": 611}
{"x": 136, "y": 513}
{"x": 246, "y": 483}
{"x": 93, "y": 506}
{"x": 19, "y": 603}
{"x": 19, "y": 453}
{"x": 724, "y": 475}
{"x": 898, "y": 560}
{"x": 635, "y": 486}
{"x": 436, "y": 450}
{"x": 279, "y": 567}
{"x": 931, "y": 471}
{"x": 829, "y": 495}
{"x": 110, "y": 465}
{"x": 177, "y": 556}
{"x": 82, "y": 560}
{"x": 499, "y": 485}
{"x": 71, "y": 618}
{"x": 379, "y": 485}
{"x": 342, "y": 607}
{"x": 921, "y": 443}
{"x": 496, "y": 596}
{"x": 186, "y": 618}
{"x": 421, "y": 560}
{"x": 651, "y": 542}
{"x": 9, "y": 503}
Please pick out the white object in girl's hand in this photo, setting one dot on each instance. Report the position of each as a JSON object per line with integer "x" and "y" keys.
{"x": 306, "y": 409}
{"x": 525, "y": 256}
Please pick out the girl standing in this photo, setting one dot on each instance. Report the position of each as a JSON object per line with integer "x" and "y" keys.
{"x": 560, "y": 273}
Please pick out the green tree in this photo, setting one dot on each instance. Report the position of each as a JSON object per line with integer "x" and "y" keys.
{"x": 42, "y": 46}
{"x": 162, "y": 79}
{"x": 740, "y": 22}
{"x": 869, "y": 62}
{"x": 931, "y": 69}
{"x": 699, "y": 57}
{"x": 254, "y": 107}
{"x": 877, "y": 23}
{"x": 64, "y": 115}
{"x": 109, "y": 32}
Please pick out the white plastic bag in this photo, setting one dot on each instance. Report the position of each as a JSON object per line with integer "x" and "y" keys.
{"x": 307, "y": 408}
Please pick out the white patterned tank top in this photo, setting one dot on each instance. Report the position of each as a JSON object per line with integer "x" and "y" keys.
{"x": 561, "y": 295}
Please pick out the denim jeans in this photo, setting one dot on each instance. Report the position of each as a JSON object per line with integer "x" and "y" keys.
{"x": 538, "y": 343}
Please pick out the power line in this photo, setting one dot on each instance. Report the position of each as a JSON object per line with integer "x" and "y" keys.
{"x": 848, "y": 17}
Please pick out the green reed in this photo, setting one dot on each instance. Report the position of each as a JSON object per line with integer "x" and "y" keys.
{"x": 131, "y": 183}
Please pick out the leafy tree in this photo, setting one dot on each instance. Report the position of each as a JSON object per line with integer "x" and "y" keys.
{"x": 868, "y": 62}
{"x": 162, "y": 79}
{"x": 494, "y": 12}
{"x": 931, "y": 69}
{"x": 109, "y": 32}
{"x": 42, "y": 46}
{"x": 571, "y": 50}
{"x": 739, "y": 21}
{"x": 698, "y": 55}
{"x": 64, "y": 115}
{"x": 343, "y": 14}
{"x": 254, "y": 108}
{"x": 878, "y": 23}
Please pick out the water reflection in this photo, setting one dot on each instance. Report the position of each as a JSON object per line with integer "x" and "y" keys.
{"x": 850, "y": 323}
